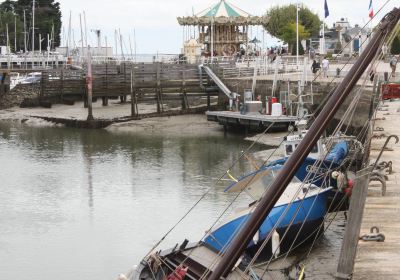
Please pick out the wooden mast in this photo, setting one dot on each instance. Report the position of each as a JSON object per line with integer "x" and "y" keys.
{"x": 242, "y": 239}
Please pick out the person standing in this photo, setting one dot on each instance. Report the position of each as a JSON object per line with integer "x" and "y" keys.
{"x": 393, "y": 64}
{"x": 325, "y": 67}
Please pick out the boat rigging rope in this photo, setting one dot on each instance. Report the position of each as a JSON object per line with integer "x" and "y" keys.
{"x": 325, "y": 219}
{"x": 344, "y": 198}
{"x": 348, "y": 115}
{"x": 235, "y": 162}
{"x": 330, "y": 145}
{"x": 340, "y": 125}
{"x": 350, "y": 109}
{"x": 208, "y": 190}
{"x": 339, "y": 206}
{"x": 286, "y": 209}
{"x": 354, "y": 37}
{"x": 317, "y": 230}
{"x": 349, "y": 112}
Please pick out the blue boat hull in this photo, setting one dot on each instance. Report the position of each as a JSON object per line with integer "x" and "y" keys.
{"x": 317, "y": 175}
{"x": 309, "y": 211}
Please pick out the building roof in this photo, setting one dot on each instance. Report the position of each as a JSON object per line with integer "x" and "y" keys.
{"x": 223, "y": 9}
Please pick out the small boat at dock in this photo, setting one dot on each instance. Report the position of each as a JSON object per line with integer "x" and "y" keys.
{"x": 299, "y": 211}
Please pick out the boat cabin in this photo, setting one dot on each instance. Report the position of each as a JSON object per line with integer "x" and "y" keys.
{"x": 292, "y": 141}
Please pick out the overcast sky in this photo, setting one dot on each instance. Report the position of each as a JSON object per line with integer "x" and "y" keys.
{"x": 157, "y": 28}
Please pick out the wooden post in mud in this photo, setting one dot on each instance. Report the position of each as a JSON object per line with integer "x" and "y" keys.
{"x": 123, "y": 97}
{"x": 89, "y": 84}
{"x": 134, "y": 107}
{"x": 184, "y": 96}
{"x": 62, "y": 84}
{"x": 158, "y": 84}
{"x": 105, "y": 98}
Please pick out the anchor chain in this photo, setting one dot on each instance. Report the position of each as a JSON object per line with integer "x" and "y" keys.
{"x": 374, "y": 235}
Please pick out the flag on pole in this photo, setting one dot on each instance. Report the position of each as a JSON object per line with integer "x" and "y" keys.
{"x": 326, "y": 9}
{"x": 371, "y": 10}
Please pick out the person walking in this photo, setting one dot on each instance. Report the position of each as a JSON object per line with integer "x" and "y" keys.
{"x": 393, "y": 64}
{"x": 325, "y": 67}
{"x": 315, "y": 68}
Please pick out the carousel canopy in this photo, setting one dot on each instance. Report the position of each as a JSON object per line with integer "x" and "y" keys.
{"x": 223, "y": 13}
{"x": 223, "y": 9}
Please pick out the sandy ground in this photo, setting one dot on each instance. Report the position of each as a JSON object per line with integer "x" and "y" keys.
{"x": 77, "y": 111}
{"x": 185, "y": 125}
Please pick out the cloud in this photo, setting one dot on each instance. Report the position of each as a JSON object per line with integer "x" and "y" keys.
{"x": 155, "y": 20}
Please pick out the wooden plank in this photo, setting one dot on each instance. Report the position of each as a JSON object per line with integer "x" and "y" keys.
{"x": 380, "y": 259}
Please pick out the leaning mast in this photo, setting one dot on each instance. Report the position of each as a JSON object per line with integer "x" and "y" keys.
{"x": 273, "y": 193}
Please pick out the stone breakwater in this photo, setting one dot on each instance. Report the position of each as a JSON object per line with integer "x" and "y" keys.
{"x": 21, "y": 95}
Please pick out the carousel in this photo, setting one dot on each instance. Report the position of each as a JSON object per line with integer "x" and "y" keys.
{"x": 221, "y": 30}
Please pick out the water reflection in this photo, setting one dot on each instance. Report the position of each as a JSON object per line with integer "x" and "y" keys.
{"x": 89, "y": 204}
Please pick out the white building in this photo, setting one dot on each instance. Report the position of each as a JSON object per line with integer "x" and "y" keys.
{"x": 192, "y": 50}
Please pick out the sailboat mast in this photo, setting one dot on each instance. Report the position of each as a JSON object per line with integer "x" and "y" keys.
{"x": 273, "y": 193}
{"x": 33, "y": 26}
{"x": 69, "y": 35}
{"x": 82, "y": 38}
{"x": 120, "y": 42}
{"x": 15, "y": 34}
{"x": 8, "y": 40}
{"x": 130, "y": 46}
{"x": 134, "y": 42}
{"x": 25, "y": 32}
{"x": 52, "y": 38}
{"x": 84, "y": 21}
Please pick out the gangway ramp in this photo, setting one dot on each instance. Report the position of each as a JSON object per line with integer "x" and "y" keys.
{"x": 218, "y": 81}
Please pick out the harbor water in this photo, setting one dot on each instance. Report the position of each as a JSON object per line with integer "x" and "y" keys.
{"x": 88, "y": 204}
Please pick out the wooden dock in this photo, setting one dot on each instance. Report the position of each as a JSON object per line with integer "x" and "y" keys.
{"x": 143, "y": 82}
{"x": 254, "y": 121}
{"x": 380, "y": 260}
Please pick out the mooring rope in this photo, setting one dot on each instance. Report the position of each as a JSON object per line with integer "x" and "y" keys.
{"x": 235, "y": 162}
{"x": 348, "y": 114}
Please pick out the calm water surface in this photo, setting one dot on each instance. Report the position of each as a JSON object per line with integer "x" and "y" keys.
{"x": 78, "y": 204}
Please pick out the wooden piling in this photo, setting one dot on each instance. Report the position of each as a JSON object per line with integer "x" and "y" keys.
{"x": 352, "y": 232}
{"x": 62, "y": 84}
{"x": 158, "y": 85}
{"x": 134, "y": 108}
{"x": 105, "y": 98}
{"x": 184, "y": 95}
{"x": 89, "y": 82}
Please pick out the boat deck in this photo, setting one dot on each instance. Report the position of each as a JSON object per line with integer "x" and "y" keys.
{"x": 380, "y": 260}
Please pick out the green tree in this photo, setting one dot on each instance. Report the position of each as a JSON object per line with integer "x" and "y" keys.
{"x": 289, "y": 34}
{"x": 47, "y": 21}
{"x": 7, "y": 19}
{"x": 395, "y": 48}
{"x": 281, "y": 19}
{"x": 8, "y": 6}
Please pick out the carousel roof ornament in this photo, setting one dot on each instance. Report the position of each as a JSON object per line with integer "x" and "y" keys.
{"x": 223, "y": 13}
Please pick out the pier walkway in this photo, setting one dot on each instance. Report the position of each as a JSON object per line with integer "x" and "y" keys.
{"x": 380, "y": 260}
